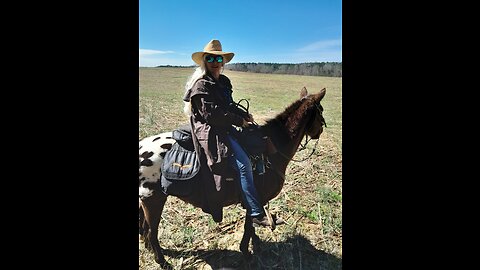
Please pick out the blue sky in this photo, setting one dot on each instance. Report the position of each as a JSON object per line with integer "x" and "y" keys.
{"x": 259, "y": 31}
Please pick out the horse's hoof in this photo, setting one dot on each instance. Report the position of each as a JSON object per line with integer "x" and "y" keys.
{"x": 244, "y": 249}
{"x": 247, "y": 255}
{"x": 164, "y": 264}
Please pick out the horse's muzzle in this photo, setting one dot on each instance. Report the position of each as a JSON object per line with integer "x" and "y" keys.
{"x": 316, "y": 136}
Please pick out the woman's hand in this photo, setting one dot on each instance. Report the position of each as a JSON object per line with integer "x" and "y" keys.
{"x": 246, "y": 123}
{"x": 250, "y": 118}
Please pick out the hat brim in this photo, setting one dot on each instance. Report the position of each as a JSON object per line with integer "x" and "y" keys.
{"x": 198, "y": 56}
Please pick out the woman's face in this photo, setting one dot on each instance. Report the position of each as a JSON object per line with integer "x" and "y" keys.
{"x": 214, "y": 64}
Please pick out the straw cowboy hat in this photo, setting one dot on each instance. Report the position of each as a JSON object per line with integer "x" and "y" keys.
{"x": 212, "y": 47}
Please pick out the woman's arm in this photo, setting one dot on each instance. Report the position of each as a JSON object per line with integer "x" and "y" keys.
{"x": 213, "y": 114}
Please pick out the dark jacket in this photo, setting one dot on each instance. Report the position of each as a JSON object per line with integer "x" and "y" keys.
{"x": 213, "y": 115}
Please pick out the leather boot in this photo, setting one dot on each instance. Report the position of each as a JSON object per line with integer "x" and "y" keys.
{"x": 261, "y": 221}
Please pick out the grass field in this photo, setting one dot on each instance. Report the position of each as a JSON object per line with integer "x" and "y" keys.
{"x": 311, "y": 200}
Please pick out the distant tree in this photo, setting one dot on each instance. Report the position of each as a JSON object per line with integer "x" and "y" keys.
{"x": 332, "y": 69}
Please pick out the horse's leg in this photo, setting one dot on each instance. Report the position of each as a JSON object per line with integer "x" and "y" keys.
{"x": 141, "y": 220}
{"x": 143, "y": 227}
{"x": 248, "y": 232}
{"x": 255, "y": 241}
{"x": 153, "y": 207}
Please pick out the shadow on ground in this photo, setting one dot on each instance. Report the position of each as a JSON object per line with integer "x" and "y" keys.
{"x": 294, "y": 253}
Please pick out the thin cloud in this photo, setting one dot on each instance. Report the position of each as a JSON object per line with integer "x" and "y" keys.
{"x": 153, "y": 58}
{"x": 322, "y": 45}
{"x": 150, "y": 52}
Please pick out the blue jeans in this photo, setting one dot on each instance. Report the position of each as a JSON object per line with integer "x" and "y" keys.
{"x": 241, "y": 162}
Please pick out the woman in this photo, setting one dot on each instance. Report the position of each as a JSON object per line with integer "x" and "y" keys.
{"x": 209, "y": 101}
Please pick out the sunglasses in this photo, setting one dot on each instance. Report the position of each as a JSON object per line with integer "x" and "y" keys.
{"x": 211, "y": 58}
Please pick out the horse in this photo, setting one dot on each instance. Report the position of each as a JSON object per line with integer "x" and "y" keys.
{"x": 286, "y": 131}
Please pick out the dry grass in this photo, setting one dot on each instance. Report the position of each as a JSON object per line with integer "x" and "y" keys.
{"x": 311, "y": 200}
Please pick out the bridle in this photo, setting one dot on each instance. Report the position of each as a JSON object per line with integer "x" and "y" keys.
{"x": 307, "y": 139}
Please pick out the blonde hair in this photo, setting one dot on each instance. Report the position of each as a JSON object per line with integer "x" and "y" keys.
{"x": 197, "y": 74}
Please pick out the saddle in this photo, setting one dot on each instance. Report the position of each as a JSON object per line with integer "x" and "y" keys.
{"x": 251, "y": 139}
{"x": 257, "y": 146}
{"x": 184, "y": 174}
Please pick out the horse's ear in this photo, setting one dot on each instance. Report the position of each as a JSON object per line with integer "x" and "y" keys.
{"x": 303, "y": 92}
{"x": 322, "y": 93}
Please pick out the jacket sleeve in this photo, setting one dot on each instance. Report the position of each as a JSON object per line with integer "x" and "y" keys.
{"x": 232, "y": 107}
{"x": 205, "y": 105}
{"x": 236, "y": 110}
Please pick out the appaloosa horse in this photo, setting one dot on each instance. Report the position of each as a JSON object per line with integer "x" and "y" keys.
{"x": 303, "y": 117}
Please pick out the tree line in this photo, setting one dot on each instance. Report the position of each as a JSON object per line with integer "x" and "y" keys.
{"x": 330, "y": 69}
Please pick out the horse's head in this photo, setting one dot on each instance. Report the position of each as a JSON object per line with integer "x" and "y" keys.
{"x": 315, "y": 124}
{"x": 302, "y": 117}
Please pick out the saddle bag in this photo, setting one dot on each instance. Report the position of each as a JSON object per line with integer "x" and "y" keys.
{"x": 180, "y": 165}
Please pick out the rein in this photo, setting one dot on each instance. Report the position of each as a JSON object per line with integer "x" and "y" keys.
{"x": 303, "y": 147}
{"x": 237, "y": 104}
{"x": 282, "y": 175}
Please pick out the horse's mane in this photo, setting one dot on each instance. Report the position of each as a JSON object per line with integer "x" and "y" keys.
{"x": 288, "y": 121}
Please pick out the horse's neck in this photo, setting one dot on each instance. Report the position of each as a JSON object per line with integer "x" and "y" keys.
{"x": 291, "y": 148}
{"x": 287, "y": 147}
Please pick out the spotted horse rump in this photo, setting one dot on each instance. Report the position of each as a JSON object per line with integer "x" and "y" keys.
{"x": 151, "y": 152}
